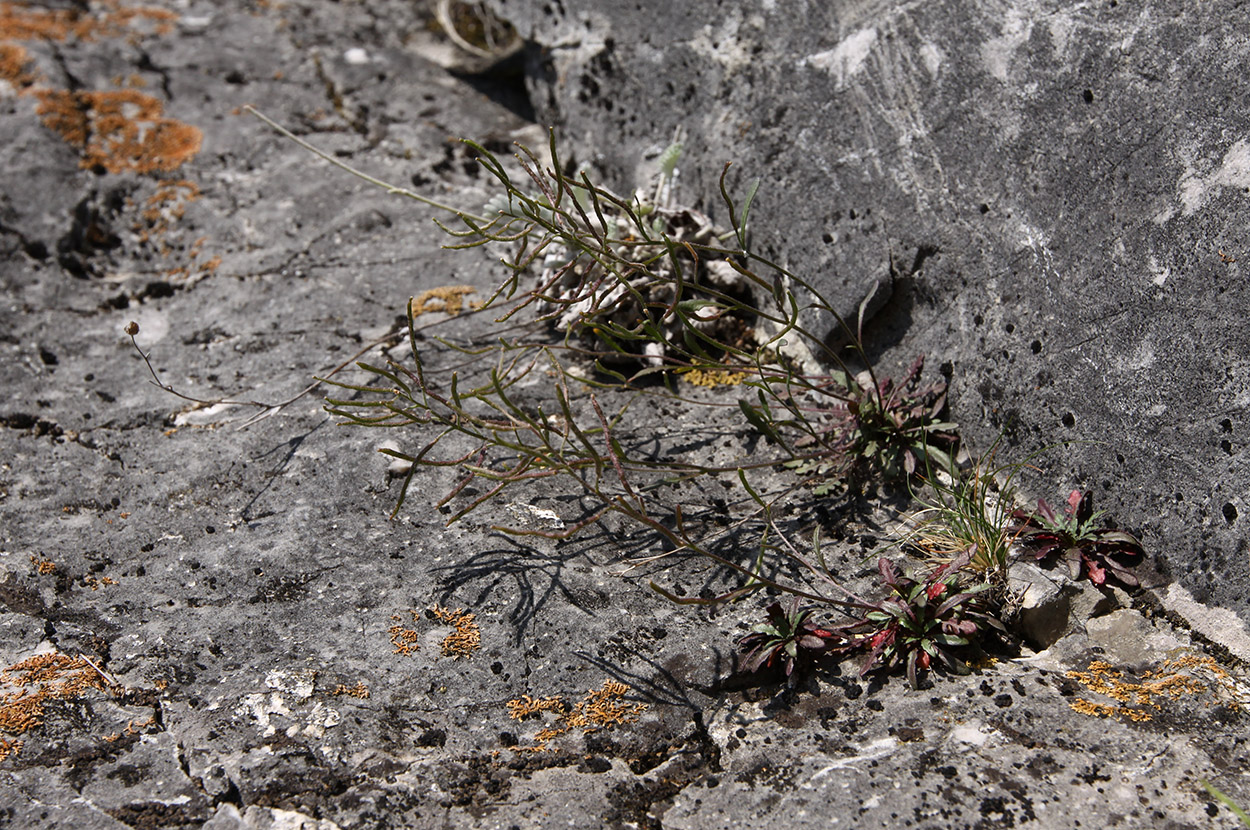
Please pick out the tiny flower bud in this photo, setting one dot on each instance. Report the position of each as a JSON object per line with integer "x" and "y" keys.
{"x": 132, "y": 328}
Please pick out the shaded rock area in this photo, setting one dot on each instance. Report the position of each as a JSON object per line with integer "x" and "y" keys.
{"x": 213, "y": 624}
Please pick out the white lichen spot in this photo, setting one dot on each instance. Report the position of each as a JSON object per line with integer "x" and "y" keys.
{"x": 356, "y": 56}
{"x": 971, "y": 733}
{"x": 529, "y": 515}
{"x": 1061, "y": 27}
{"x": 932, "y": 57}
{"x": 845, "y": 60}
{"x": 1143, "y": 357}
{"x": 997, "y": 53}
{"x": 262, "y": 708}
{"x": 1158, "y": 273}
{"x": 726, "y": 43}
{"x": 299, "y": 684}
{"x": 1195, "y": 190}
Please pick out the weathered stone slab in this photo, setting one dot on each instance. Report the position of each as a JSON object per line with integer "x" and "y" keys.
{"x": 249, "y": 641}
{"x": 1062, "y": 193}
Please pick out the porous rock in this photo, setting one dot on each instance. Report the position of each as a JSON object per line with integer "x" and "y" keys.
{"x": 1059, "y": 193}
{"x": 271, "y": 631}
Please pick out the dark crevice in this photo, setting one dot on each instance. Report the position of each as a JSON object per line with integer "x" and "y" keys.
{"x": 145, "y": 64}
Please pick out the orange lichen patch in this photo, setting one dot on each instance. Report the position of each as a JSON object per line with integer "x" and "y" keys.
{"x": 1188, "y": 675}
{"x": 1105, "y": 710}
{"x": 466, "y": 639}
{"x": 119, "y": 130}
{"x": 167, "y": 204}
{"x": 448, "y": 299}
{"x": 27, "y": 686}
{"x": 528, "y": 707}
{"x": 713, "y": 377}
{"x": 134, "y": 727}
{"x": 13, "y": 63}
{"x": 95, "y": 584}
{"x": 405, "y": 640}
{"x": 359, "y": 690}
{"x": 110, "y": 19}
{"x": 600, "y": 709}
{"x": 44, "y": 566}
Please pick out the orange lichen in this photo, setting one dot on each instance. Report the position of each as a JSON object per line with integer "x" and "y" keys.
{"x": 44, "y": 566}
{"x": 27, "y": 686}
{"x": 466, "y": 639}
{"x": 119, "y": 130}
{"x": 600, "y": 709}
{"x": 167, "y": 204}
{"x": 405, "y": 640}
{"x": 95, "y": 584}
{"x": 1175, "y": 679}
{"x": 528, "y": 707}
{"x": 13, "y": 62}
{"x": 109, "y": 19}
{"x": 134, "y": 727}
{"x": 449, "y": 299}
{"x": 359, "y": 690}
{"x": 1105, "y": 710}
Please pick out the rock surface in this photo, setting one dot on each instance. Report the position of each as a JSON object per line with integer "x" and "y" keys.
{"x": 224, "y": 629}
{"x": 1060, "y": 192}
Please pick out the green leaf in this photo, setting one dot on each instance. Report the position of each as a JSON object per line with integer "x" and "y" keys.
{"x": 669, "y": 158}
{"x": 758, "y": 421}
{"x": 1226, "y": 801}
{"x": 951, "y": 640}
{"x": 752, "y": 189}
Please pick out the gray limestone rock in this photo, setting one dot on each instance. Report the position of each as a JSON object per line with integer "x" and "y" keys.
{"x": 245, "y": 639}
{"x": 1050, "y": 604}
{"x": 1060, "y": 193}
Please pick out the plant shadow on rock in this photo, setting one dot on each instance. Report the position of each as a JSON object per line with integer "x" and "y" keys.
{"x": 530, "y": 575}
{"x": 629, "y": 298}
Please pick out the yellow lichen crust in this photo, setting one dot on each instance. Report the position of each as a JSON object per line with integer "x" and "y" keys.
{"x": 119, "y": 130}
{"x": 448, "y": 299}
{"x": 1187, "y": 675}
{"x": 713, "y": 377}
{"x": 43, "y": 566}
{"x": 600, "y": 709}
{"x": 466, "y": 639}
